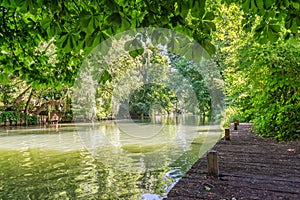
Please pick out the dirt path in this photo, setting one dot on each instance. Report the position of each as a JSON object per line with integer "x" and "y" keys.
{"x": 250, "y": 167}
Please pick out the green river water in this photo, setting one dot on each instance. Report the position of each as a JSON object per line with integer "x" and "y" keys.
{"x": 106, "y": 160}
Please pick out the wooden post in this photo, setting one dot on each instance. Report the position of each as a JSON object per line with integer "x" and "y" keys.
{"x": 235, "y": 125}
{"x": 212, "y": 163}
{"x": 227, "y": 134}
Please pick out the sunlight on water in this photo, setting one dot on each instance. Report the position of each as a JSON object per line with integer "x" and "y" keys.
{"x": 99, "y": 161}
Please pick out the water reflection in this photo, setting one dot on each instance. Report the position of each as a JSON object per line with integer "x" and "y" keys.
{"x": 98, "y": 161}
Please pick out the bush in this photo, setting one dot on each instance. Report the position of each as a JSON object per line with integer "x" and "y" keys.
{"x": 13, "y": 117}
{"x": 269, "y": 93}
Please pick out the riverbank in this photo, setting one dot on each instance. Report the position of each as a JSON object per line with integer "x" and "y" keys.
{"x": 250, "y": 167}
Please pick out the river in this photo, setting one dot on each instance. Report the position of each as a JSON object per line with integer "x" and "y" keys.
{"x": 122, "y": 159}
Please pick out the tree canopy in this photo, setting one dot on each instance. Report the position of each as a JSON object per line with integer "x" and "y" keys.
{"x": 75, "y": 27}
{"x": 261, "y": 79}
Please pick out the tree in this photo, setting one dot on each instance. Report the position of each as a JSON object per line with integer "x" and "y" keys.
{"x": 270, "y": 94}
{"x": 146, "y": 67}
{"x": 152, "y": 98}
{"x": 190, "y": 71}
{"x": 257, "y": 76}
{"x": 270, "y": 19}
{"x": 76, "y": 27}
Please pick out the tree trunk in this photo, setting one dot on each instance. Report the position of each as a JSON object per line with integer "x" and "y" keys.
{"x": 28, "y": 102}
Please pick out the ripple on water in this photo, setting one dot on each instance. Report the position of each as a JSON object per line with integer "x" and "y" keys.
{"x": 56, "y": 166}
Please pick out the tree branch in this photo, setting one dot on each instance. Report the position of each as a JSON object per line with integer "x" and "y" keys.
{"x": 44, "y": 105}
{"x": 47, "y": 47}
{"x": 19, "y": 98}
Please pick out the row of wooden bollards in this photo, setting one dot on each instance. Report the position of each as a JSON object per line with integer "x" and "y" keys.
{"x": 212, "y": 156}
{"x": 227, "y": 130}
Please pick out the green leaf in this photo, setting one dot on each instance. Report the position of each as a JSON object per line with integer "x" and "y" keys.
{"x": 72, "y": 42}
{"x": 57, "y": 28}
{"x": 209, "y": 47}
{"x": 156, "y": 35}
{"x": 19, "y": 3}
{"x": 260, "y": 4}
{"x": 9, "y": 4}
{"x": 275, "y": 28}
{"x": 183, "y": 8}
{"x": 62, "y": 41}
{"x": 53, "y": 29}
{"x": 137, "y": 43}
{"x": 209, "y": 16}
{"x": 5, "y": 3}
{"x": 112, "y": 5}
{"x": 24, "y": 5}
{"x": 253, "y": 6}
{"x": 91, "y": 25}
{"x": 115, "y": 19}
{"x": 260, "y": 27}
{"x": 125, "y": 24}
{"x": 97, "y": 39}
{"x": 295, "y": 5}
{"x": 67, "y": 44}
{"x": 105, "y": 76}
{"x": 207, "y": 188}
{"x": 84, "y": 19}
{"x": 40, "y": 2}
{"x": 4, "y": 78}
{"x": 164, "y": 19}
{"x": 171, "y": 45}
{"x": 197, "y": 8}
{"x": 89, "y": 41}
{"x": 262, "y": 37}
{"x": 246, "y": 5}
{"x": 294, "y": 27}
{"x": 136, "y": 52}
{"x": 127, "y": 45}
{"x": 268, "y": 3}
{"x": 209, "y": 26}
{"x": 45, "y": 23}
